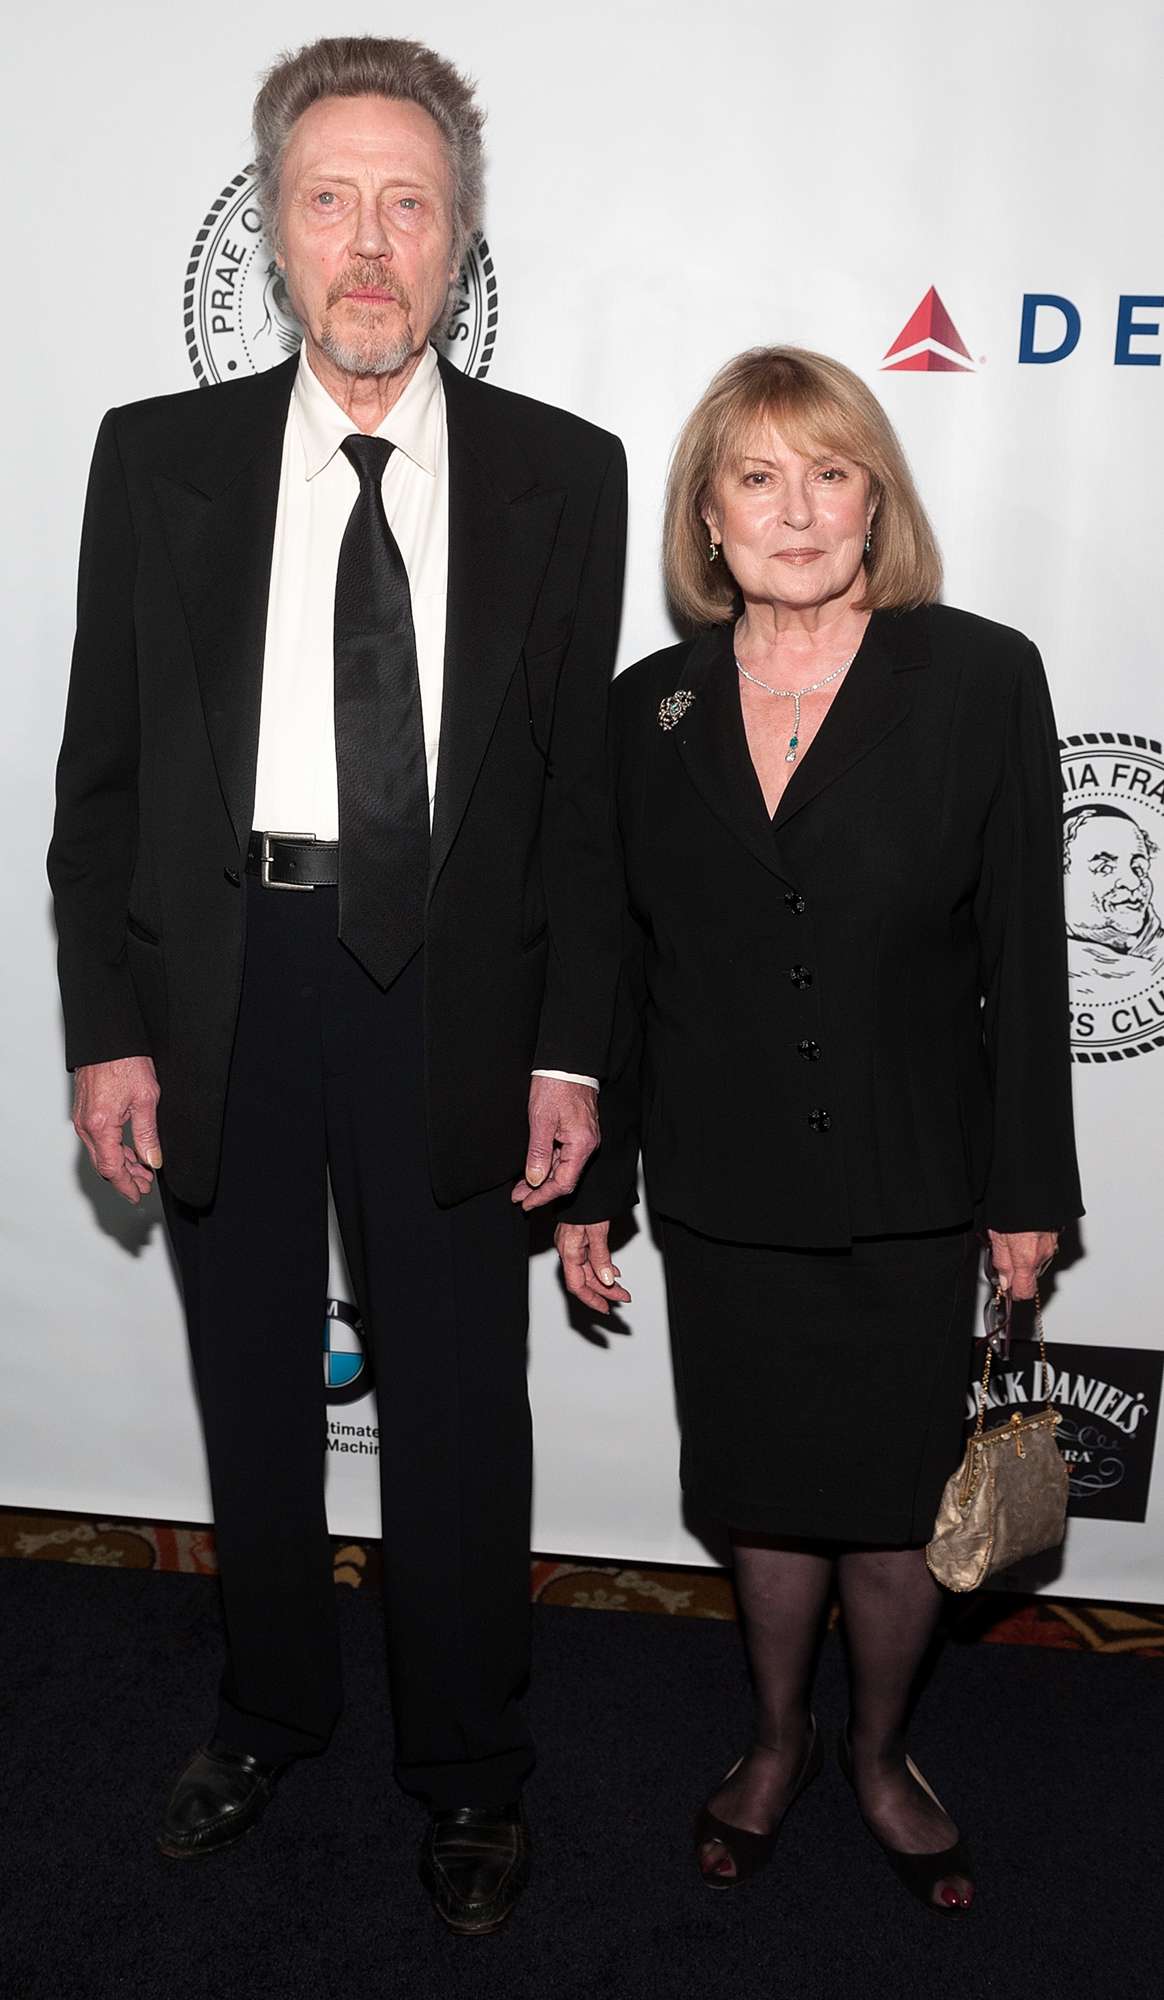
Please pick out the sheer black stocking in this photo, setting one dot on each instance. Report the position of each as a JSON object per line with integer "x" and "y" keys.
{"x": 783, "y": 1588}
{"x": 889, "y": 1611}
{"x": 890, "y": 1605}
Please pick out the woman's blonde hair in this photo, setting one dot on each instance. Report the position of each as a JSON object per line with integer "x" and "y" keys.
{"x": 817, "y": 405}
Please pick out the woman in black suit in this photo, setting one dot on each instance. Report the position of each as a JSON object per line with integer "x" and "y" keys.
{"x": 843, "y": 1037}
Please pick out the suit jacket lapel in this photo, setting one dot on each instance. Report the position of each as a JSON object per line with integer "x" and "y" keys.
{"x": 501, "y": 534}
{"x": 871, "y": 701}
{"x": 219, "y": 517}
{"x": 711, "y": 742}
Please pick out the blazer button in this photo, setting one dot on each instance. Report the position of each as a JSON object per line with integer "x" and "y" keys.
{"x": 796, "y": 902}
{"x": 819, "y": 1121}
{"x": 809, "y": 1050}
{"x": 800, "y": 975}
{"x": 231, "y": 875}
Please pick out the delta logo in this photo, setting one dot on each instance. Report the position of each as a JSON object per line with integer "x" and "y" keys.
{"x": 1050, "y": 331}
{"x": 929, "y": 341}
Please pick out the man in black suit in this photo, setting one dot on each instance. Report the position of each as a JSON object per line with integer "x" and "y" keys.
{"x": 346, "y": 628}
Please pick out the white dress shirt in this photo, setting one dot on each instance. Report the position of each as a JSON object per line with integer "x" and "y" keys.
{"x": 295, "y": 789}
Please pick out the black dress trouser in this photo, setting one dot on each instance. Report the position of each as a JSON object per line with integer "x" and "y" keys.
{"x": 327, "y": 1077}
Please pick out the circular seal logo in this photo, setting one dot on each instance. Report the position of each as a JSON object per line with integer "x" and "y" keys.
{"x": 1113, "y": 878}
{"x": 347, "y": 1367}
{"x": 238, "y": 318}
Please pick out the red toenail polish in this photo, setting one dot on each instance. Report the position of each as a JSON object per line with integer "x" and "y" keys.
{"x": 950, "y": 1897}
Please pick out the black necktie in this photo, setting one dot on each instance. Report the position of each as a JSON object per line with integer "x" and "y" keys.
{"x": 379, "y": 735}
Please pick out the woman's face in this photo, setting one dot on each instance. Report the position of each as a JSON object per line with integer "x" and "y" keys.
{"x": 792, "y": 527}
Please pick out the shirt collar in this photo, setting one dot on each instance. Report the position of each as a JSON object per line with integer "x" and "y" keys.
{"x": 413, "y": 423}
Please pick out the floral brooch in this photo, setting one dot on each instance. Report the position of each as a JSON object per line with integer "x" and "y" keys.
{"x": 674, "y": 707}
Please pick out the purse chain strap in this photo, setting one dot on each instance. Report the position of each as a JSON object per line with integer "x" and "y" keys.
{"x": 1044, "y": 1371}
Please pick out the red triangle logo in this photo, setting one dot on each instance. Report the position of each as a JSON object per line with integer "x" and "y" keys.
{"x": 929, "y": 340}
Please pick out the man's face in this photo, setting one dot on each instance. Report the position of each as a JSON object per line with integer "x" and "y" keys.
{"x": 366, "y": 230}
{"x": 1107, "y": 883}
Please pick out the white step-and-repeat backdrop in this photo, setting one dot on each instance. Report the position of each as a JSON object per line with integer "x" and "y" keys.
{"x": 963, "y": 205}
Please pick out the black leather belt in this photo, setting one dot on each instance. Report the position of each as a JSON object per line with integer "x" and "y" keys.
{"x": 293, "y": 861}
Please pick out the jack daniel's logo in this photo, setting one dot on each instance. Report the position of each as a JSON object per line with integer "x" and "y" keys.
{"x": 1108, "y": 1400}
{"x": 1067, "y": 1389}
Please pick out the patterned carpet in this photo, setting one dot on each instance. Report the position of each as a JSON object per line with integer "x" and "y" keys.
{"x": 994, "y": 1618}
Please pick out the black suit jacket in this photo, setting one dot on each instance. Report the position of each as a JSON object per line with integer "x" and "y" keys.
{"x": 156, "y": 777}
{"x": 852, "y": 1017}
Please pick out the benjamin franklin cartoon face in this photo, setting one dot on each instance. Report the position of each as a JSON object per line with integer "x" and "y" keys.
{"x": 1107, "y": 878}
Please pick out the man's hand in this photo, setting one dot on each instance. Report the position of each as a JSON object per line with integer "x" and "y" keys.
{"x": 106, "y": 1097}
{"x": 586, "y": 1267}
{"x": 1022, "y": 1258}
{"x": 563, "y": 1132}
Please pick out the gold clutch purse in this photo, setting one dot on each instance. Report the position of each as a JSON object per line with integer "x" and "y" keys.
{"x": 1008, "y": 1498}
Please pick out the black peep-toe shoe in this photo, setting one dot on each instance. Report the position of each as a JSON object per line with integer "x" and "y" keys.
{"x": 921, "y": 1873}
{"x": 750, "y": 1851}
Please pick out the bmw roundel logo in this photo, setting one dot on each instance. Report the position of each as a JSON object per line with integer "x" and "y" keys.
{"x": 347, "y": 1368}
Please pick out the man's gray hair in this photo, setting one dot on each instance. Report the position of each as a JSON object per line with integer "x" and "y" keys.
{"x": 362, "y": 66}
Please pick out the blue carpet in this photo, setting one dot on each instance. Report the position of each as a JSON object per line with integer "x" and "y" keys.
{"x": 1050, "y": 1759}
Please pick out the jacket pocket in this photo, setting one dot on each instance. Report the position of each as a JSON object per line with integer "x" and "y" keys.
{"x": 147, "y": 971}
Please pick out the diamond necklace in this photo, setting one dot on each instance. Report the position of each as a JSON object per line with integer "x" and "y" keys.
{"x": 794, "y": 694}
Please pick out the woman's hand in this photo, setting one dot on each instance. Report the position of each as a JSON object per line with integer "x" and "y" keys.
{"x": 1021, "y": 1258}
{"x": 586, "y": 1267}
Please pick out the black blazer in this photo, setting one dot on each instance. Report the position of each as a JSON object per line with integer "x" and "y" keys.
{"x": 853, "y": 1016}
{"x": 156, "y": 778}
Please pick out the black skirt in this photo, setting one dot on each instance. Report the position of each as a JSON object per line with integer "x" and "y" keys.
{"x": 821, "y": 1393}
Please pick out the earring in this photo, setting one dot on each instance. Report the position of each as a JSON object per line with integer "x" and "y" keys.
{"x": 712, "y": 551}
{"x": 868, "y": 540}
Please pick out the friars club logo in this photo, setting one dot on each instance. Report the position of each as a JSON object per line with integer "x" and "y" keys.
{"x": 347, "y": 1368}
{"x": 238, "y": 318}
{"x": 1108, "y": 1399}
{"x": 1113, "y": 832}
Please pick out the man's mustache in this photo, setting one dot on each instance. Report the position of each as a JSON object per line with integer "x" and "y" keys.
{"x": 366, "y": 277}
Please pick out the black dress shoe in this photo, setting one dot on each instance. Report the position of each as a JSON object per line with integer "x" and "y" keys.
{"x": 749, "y": 1852}
{"x": 928, "y": 1877}
{"x": 219, "y": 1797}
{"x": 474, "y": 1862}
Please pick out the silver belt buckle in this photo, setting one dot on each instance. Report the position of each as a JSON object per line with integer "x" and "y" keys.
{"x": 266, "y": 860}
